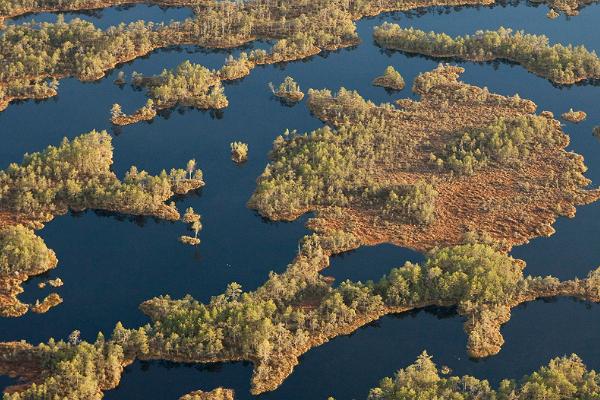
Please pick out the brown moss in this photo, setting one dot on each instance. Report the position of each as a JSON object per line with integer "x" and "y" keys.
{"x": 215, "y": 394}
{"x": 574, "y": 116}
{"x": 192, "y": 241}
{"x": 142, "y": 114}
{"x": 512, "y": 203}
{"x": 52, "y": 300}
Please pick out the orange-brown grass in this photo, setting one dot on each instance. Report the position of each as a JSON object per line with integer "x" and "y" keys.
{"x": 511, "y": 202}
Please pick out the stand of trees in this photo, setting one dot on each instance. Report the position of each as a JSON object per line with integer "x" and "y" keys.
{"x": 189, "y": 85}
{"x": 506, "y": 140}
{"x": 70, "y": 370}
{"x": 561, "y": 64}
{"x": 239, "y": 152}
{"x": 563, "y": 378}
{"x": 391, "y": 79}
{"x": 288, "y": 90}
{"x": 329, "y": 167}
{"x": 22, "y": 254}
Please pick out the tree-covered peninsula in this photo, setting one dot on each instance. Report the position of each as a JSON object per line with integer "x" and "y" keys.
{"x": 563, "y": 378}
{"x": 558, "y": 63}
{"x": 76, "y": 175}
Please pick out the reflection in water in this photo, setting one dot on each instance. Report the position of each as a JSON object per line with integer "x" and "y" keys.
{"x": 369, "y": 262}
{"x": 110, "y": 266}
{"x": 572, "y": 251}
{"x": 165, "y": 380}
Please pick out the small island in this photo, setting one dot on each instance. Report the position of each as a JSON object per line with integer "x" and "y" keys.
{"x": 574, "y": 116}
{"x": 216, "y": 394}
{"x": 552, "y": 14}
{"x": 145, "y": 113}
{"x": 188, "y": 85}
{"x": 52, "y": 300}
{"x": 239, "y": 152}
{"x": 288, "y": 91}
{"x": 193, "y": 220}
{"x": 391, "y": 79}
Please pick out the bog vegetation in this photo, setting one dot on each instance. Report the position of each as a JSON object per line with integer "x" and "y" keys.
{"x": 459, "y": 144}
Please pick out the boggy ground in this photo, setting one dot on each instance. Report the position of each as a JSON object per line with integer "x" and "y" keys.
{"x": 511, "y": 201}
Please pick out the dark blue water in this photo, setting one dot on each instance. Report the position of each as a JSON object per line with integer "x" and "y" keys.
{"x": 110, "y": 264}
{"x": 369, "y": 262}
